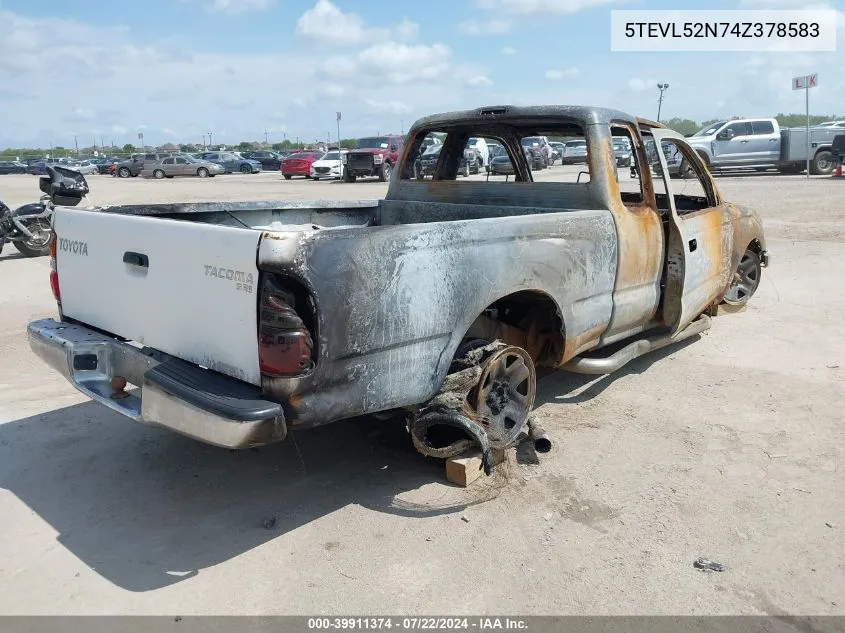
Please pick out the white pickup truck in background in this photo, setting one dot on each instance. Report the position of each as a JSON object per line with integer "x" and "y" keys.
{"x": 763, "y": 144}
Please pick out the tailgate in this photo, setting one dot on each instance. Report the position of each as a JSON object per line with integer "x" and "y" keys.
{"x": 185, "y": 288}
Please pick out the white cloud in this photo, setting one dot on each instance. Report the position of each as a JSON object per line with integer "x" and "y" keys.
{"x": 232, "y": 7}
{"x": 479, "y": 80}
{"x": 560, "y": 74}
{"x": 532, "y": 7}
{"x": 332, "y": 90}
{"x": 327, "y": 24}
{"x": 388, "y": 107}
{"x": 508, "y": 50}
{"x": 485, "y": 27}
{"x": 118, "y": 129}
{"x": 401, "y": 63}
{"x": 407, "y": 30}
{"x": 638, "y": 85}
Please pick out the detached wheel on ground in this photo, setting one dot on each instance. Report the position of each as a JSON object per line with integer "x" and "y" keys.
{"x": 158, "y": 174}
{"x": 745, "y": 281}
{"x": 202, "y": 172}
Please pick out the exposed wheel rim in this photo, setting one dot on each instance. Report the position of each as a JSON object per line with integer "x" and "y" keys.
{"x": 42, "y": 234}
{"x": 504, "y": 395}
{"x": 746, "y": 279}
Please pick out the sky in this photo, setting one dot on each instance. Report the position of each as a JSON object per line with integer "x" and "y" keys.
{"x": 175, "y": 70}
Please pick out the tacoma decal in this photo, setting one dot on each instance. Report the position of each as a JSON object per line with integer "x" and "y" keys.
{"x": 243, "y": 280}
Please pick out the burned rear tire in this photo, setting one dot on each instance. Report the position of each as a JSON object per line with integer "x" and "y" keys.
{"x": 746, "y": 279}
{"x": 504, "y": 396}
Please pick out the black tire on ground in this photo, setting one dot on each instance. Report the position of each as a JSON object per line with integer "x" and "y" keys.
{"x": 746, "y": 279}
{"x": 246, "y": 169}
{"x": 124, "y": 172}
{"x": 158, "y": 174}
{"x": 287, "y": 176}
{"x": 202, "y": 172}
{"x": 385, "y": 171}
{"x": 348, "y": 177}
{"x": 465, "y": 171}
{"x": 315, "y": 178}
{"x": 823, "y": 163}
{"x": 790, "y": 169}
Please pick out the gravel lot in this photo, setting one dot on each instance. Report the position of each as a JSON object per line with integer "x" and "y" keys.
{"x": 728, "y": 446}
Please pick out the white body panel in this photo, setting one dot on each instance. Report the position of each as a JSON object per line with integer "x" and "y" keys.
{"x": 196, "y": 300}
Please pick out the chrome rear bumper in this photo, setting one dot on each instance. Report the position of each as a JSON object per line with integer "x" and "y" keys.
{"x": 195, "y": 402}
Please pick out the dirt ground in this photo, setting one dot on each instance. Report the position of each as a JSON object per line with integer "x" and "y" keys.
{"x": 728, "y": 446}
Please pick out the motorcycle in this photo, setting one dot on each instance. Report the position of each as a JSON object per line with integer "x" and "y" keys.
{"x": 30, "y": 227}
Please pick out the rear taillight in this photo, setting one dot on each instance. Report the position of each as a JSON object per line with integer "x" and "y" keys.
{"x": 54, "y": 275}
{"x": 285, "y": 346}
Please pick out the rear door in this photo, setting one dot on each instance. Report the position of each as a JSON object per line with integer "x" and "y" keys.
{"x": 765, "y": 142}
{"x": 188, "y": 289}
{"x": 182, "y": 167}
{"x": 700, "y": 245}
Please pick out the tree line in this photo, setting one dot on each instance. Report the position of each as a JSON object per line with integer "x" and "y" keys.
{"x": 686, "y": 127}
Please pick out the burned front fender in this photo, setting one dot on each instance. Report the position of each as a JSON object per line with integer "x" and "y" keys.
{"x": 748, "y": 233}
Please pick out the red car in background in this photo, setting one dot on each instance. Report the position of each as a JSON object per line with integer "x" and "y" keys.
{"x": 299, "y": 164}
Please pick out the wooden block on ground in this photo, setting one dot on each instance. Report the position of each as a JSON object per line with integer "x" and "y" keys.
{"x": 465, "y": 469}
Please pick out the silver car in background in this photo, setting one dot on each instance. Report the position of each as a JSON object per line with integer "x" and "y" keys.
{"x": 182, "y": 165}
{"x": 574, "y": 152}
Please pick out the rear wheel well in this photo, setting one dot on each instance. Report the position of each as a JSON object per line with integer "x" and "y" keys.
{"x": 704, "y": 157}
{"x": 528, "y": 319}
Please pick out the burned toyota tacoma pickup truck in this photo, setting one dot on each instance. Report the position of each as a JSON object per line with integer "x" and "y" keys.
{"x": 234, "y": 323}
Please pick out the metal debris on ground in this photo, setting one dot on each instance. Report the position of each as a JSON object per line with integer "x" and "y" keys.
{"x": 270, "y": 523}
{"x": 708, "y": 565}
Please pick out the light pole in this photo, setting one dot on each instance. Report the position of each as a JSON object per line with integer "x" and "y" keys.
{"x": 662, "y": 88}
{"x": 338, "y": 131}
{"x": 204, "y": 146}
{"x": 209, "y": 140}
{"x": 266, "y": 136}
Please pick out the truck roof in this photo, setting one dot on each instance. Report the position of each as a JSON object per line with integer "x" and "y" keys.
{"x": 521, "y": 114}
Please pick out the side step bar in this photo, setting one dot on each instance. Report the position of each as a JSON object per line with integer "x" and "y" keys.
{"x": 610, "y": 364}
